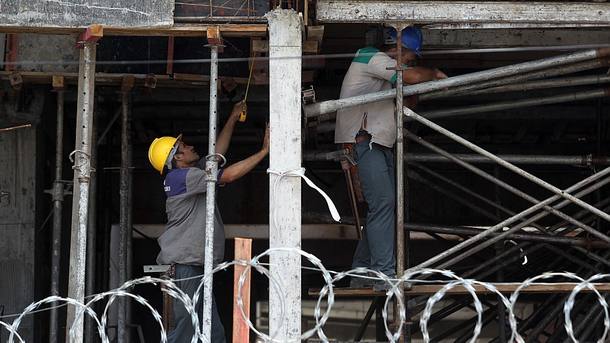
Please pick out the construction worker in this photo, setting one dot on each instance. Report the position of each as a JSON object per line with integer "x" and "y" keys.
{"x": 370, "y": 131}
{"x": 182, "y": 243}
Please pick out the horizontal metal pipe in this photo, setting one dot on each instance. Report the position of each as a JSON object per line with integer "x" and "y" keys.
{"x": 559, "y": 192}
{"x": 519, "y": 78}
{"x": 572, "y": 160}
{"x": 506, "y": 186}
{"x": 544, "y": 84}
{"x": 513, "y": 104}
{"x": 425, "y": 87}
{"x": 452, "y": 230}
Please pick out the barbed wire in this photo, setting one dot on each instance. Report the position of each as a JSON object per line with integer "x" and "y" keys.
{"x": 325, "y": 301}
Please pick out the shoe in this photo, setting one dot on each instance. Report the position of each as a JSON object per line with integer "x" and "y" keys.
{"x": 361, "y": 282}
{"x": 382, "y": 285}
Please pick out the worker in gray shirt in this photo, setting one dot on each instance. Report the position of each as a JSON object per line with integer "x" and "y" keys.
{"x": 369, "y": 131}
{"x": 182, "y": 243}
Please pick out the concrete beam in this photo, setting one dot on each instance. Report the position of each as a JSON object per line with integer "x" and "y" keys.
{"x": 56, "y": 13}
{"x": 369, "y": 11}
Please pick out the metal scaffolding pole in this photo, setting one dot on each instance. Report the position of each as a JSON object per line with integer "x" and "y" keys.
{"x": 507, "y": 165}
{"x": 92, "y": 230}
{"x": 512, "y": 219}
{"x": 517, "y": 79}
{"x": 82, "y": 172}
{"x": 211, "y": 169}
{"x": 58, "y": 200}
{"x": 506, "y": 186}
{"x": 466, "y": 231}
{"x": 285, "y": 51}
{"x": 532, "y": 219}
{"x": 545, "y": 84}
{"x": 125, "y": 193}
{"x": 570, "y": 160}
{"x": 513, "y": 104}
{"x": 426, "y": 87}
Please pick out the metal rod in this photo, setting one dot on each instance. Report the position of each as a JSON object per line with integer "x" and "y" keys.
{"x": 415, "y": 176}
{"x": 125, "y": 215}
{"x": 517, "y": 79}
{"x": 92, "y": 232}
{"x": 466, "y": 231}
{"x": 506, "y": 186}
{"x": 513, "y": 104}
{"x": 425, "y": 87}
{"x": 222, "y": 19}
{"x": 399, "y": 161}
{"x": 572, "y": 160}
{"x": 82, "y": 171}
{"x": 545, "y": 84}
{"x": 211, "y": 168}
{"x": 466, "y": 190}
{"x": 366, "y": 320}
{"x": 58, "y": 200}
{"x": 510, "y": 220}
{"x": 532, "y": 219}
{"x": 507, "y": 165}
{"x": 5, "y": 129}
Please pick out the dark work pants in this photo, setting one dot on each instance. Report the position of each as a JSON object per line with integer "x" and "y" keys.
{"x": 183, "y": 327}
{"x": 376, "y": 172}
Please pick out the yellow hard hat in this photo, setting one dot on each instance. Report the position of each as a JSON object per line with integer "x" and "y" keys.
{"x": 161, "y": 152}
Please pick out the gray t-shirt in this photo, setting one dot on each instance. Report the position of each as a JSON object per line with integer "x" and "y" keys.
{"x": 368, "y": 73}
{"x": 184, "y": 238}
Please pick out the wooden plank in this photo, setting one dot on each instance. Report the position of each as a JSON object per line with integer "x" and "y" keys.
{"x": 315, "y": 32}
{"x": 438, "y": 12}
{"x": 311, "y": 47}
{"x": 243, "y": 251}
{"x": 56, "y": 13}
{"x": 177, "y": 80}
{"x": 178, "y": 30}
{"x": 505, "y": 288}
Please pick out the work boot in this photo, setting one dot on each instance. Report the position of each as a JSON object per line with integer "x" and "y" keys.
{"x": 361, "y": 282}
{"x": 382, "y": 285}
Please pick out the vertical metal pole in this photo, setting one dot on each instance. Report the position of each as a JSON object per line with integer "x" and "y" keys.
{"x": 82, "y": 170}
{"x": 399, "y": 161}
{"x": 58, "y": 200}
{"x": 125, "y": 216}
{"x": 92, "y": 232}
{"x": 211, "y": 168}
{"x": 285, "y": 53}
{"x": 400, "y": 219}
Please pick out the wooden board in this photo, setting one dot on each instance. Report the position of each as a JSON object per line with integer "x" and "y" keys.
{"x": 79, "y": 13}
{"x": 506, "y": 288}
{"x": 177, "y": 30}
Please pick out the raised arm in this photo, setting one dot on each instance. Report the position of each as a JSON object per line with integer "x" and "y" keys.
{"x": 224, "y": 138}
{"x": 241, "y": 168}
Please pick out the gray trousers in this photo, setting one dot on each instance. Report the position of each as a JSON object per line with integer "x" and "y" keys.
{"x": 183, "y": 328}
{"x": 376, "y": 171}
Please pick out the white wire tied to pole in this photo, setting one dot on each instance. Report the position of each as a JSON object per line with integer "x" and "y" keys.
{"x": 300, "y": 172}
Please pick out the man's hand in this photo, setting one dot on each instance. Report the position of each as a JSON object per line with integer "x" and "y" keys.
{"x": 265, "y": 147}
{"x": 237, "y": 109}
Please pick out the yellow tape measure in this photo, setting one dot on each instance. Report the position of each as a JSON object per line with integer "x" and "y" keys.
{"x": 244, "y": 112}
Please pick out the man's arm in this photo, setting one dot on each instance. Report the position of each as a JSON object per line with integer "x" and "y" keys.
{"x": 224, "y": 138}
{"x": 415, "y": 75}
{"x": 241, "y": 168}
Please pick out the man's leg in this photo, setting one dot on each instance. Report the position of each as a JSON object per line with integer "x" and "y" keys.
{"x": 183, "y": 327}
{"x": 376, "y": 177}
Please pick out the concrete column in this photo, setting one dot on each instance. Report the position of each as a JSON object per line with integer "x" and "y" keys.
{"x": 285, "y": 51}
{"x": 82, "y": 173}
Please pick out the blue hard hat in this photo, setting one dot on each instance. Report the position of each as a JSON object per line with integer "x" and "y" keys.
{"x": 412, "y": 38}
